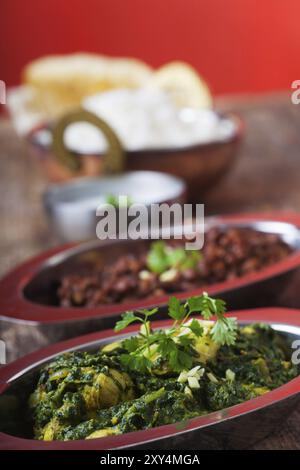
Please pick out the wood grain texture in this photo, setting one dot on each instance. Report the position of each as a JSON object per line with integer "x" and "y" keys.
{"x": 266, "y": 176}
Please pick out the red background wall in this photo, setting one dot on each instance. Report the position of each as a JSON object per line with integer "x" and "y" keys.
{"x": 238, "y": 45}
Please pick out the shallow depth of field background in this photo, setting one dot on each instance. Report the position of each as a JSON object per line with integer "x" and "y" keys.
{"x": 238, "y": 45}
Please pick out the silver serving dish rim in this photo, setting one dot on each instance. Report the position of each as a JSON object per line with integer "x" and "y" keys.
{"x": 16, "y": 370}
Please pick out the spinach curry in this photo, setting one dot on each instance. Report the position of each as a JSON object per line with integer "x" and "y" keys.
{"x": 158, "y": 377}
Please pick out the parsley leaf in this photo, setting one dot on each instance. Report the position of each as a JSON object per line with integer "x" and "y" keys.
{"x": 180, "y": 360}
{"x": 192, "y": 258}
{"x": 127, "y": 319}
{"x": 224, "y": 331}
{"x": 170, "y": 345}
{"x": 134, "y": 362}
{"x": 148, "y": 313}
{"x": 185, "y": 341}
{"x": 175, "y": 256}
{"x": 131, "y": 344}
{"x": 162, "y": 257}
{"x": 195, "y": 304}
{"x": 166, "y": 347}
{"x": 157, "y": 260}
{"x": 207, "y": 306}
{"x": 196, "y": 328}
{"x": 176, "y": 309}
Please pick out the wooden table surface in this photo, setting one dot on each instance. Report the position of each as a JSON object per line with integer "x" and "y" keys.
{"x": 266, "y": 176}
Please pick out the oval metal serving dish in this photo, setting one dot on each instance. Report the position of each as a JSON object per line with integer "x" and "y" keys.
{"x": 239, "y": 426}
{"x": 31, "y": 318}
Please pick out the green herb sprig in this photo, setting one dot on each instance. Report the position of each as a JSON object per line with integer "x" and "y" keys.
{"x": 171, "y": 344}
{"x": 114, "y": 201}
{"x": 162, "y": 257}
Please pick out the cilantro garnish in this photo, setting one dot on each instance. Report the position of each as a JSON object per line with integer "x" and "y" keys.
{"x": 114, "y": 201}
{"x": 162, "y": 257}
{"x": 174, "y": 345}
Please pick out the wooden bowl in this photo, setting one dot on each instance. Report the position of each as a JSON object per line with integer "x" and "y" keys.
{"x": 201, "y": 166}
